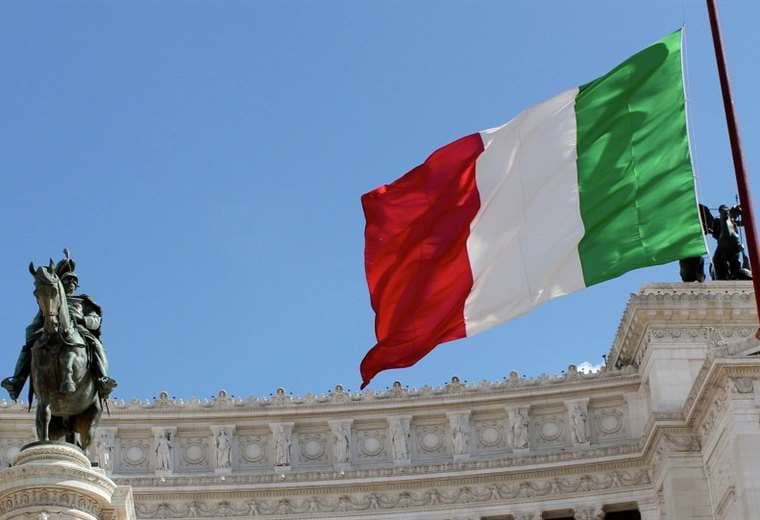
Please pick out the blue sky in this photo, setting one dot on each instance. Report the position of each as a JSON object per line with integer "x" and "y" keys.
{"x": 204, "y": 162}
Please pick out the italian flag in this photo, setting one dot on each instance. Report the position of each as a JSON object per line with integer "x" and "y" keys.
{"x": 574, "y": 191}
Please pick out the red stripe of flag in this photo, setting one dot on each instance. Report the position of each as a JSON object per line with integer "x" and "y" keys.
{"x": 415, "y": 256}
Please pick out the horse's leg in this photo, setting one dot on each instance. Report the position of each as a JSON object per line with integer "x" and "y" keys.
{"x": 67, "y": 371}
{"x": 43, "y": 421}
{"x": 68, "y": 430}
{"x": 85, "y": 423}
{"x": 56, "y": 429}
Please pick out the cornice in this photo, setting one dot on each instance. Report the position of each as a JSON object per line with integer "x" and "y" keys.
{"x": 447, "y": 398}
{"x": 682, "y": 303}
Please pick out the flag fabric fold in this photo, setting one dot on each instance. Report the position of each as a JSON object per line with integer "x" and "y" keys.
{"x": 574, "y": 191}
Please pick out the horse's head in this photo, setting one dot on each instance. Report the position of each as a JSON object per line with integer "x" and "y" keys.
{"x": 49, "y": 293}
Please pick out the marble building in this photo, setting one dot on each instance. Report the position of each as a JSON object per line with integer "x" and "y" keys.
{"x": 669, "y": 429}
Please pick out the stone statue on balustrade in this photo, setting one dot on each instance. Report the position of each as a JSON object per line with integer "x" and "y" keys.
{"x": 64, "y": 356}
{"x": 729, "y": 262}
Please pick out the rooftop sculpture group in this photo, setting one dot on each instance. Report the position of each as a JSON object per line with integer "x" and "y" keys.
{"x": 729, "y": 262}
{"x": 64, "y": 356}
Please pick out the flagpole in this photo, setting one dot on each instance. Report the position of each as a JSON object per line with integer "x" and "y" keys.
{"x": 748, "y": 214}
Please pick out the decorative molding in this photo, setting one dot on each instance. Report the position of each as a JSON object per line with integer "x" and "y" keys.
{"x": 259, "y": 504}
{"x": 45, "y": 496}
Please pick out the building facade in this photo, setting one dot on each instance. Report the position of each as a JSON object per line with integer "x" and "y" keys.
{"x": 670, "y": 429}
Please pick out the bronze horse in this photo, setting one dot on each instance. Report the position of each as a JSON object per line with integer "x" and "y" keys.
{"x": 68, "y": 405}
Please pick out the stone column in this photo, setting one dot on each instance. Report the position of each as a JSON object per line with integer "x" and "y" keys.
{"x": 221, "y": 446}
{"x": 341, "y": 432}
{"x": 578, "y": 419}
{"x": 459, "y": 426}
{"x": 527, "y": 515}
{"x": 164, "y": 446}
{"x": 282, "y": 434}
{"x": 56, "y": 480}
{"x": 518, "y": 429}
{"x": 399, "y": 433}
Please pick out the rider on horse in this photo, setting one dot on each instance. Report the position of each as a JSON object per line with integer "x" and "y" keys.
{"x": 87, "y": 315}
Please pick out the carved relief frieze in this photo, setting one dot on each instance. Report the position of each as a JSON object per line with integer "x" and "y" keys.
{"x": 48, "y": 496}
{"x": 410, "y": 499}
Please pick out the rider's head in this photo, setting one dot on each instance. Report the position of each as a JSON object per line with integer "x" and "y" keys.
{"x": 70, "y": 282}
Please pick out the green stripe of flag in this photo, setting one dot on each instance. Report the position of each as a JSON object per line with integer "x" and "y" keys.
{"x": 637, "y": 196}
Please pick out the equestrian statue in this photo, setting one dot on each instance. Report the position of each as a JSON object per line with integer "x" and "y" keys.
{"x": 64, "y": 356}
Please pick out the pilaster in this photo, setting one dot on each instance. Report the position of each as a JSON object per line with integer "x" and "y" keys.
{"x": 459, "y": 426}
{"x": 282, "y": 433}
{"x": 580, "y": 427}
{"x": 163, "y": 454}
{"x": 223, "y": 436}
{"x": 399, "y": 428}
{"x": 341, "y": 433}
{"x": 518, "y": 424}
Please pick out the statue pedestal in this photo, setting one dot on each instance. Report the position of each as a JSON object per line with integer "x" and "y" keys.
{"x": 56, "y": 480}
